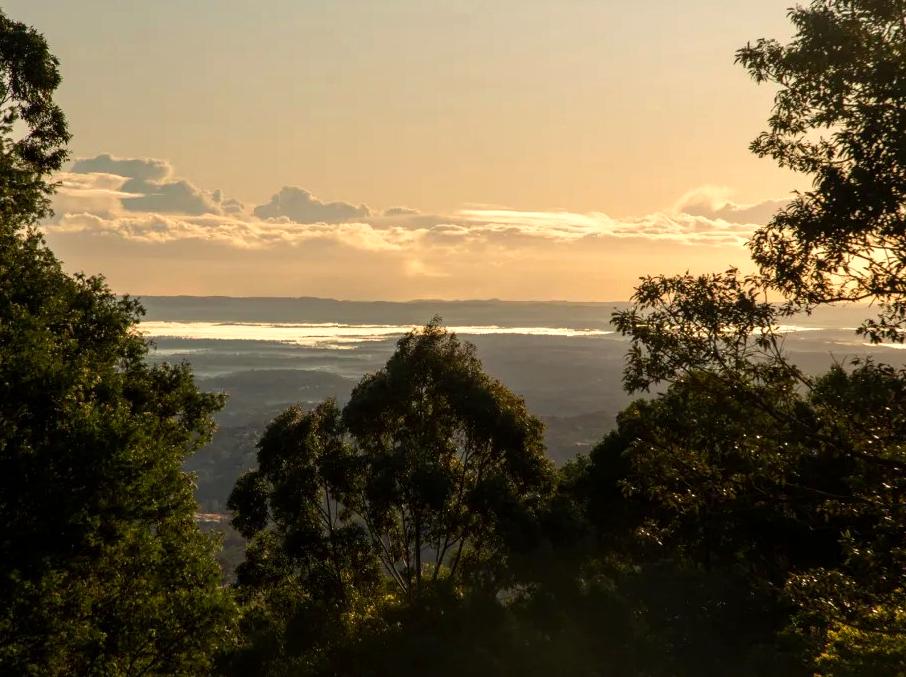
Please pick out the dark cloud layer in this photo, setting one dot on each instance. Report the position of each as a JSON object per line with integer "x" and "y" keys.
{"x": 300, "y": 206}
{"x": 176, "y": 197}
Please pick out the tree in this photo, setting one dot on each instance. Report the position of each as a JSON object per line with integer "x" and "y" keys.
{"x": 102, "y": 567}
{"x": 428, "y": 480}
{"x": 452, "y": 464}
{"x": 840, "y": 115}
{"x": 28, "y": 78}
{"x": 828, "y": 456}
{"x": 745, "y": 461}
{"x": 309, "y": 579}
{"x": 781, "y": 509}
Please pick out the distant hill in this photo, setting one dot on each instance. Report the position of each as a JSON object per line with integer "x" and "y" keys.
{"x": 491, "y": 312}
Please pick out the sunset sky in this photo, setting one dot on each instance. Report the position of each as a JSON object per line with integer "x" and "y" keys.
{"x": 398, "y": 149}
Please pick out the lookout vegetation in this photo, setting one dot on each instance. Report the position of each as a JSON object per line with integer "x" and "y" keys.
{"x": 748, "y": 519}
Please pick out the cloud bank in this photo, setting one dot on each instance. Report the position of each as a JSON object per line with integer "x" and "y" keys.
{"x": 138, "y": 210}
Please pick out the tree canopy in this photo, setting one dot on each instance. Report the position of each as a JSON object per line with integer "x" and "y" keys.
{"x": 33, "y": 130}
{"x": 102, "y": 567}
{"x": 839, "y": 116}
{"x": 746, "y": 460}
{"x": 431, "y": 475}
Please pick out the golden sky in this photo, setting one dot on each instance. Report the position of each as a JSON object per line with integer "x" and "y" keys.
{"x": 540, "y": 148}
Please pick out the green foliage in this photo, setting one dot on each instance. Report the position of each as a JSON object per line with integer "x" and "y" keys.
{"x": 851, "y": 651}
{"x": 309, "y": 574}
{"x": 751, "y": 467}
{"x": 791, "y": 515}
{"x": 452, "y": 462}
{"x": 579, "y": 632}
{"x": 429, "y": 479}
{"x": 718, "y": 322}
{"x": 102, "y": 567}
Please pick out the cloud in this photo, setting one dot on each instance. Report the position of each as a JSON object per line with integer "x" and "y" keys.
{"x": 566, "y": 227}
{"x": 299, "y": 205}
{"x": 178, "y": 197}
{"x": 152, "y": 232}
{"x": 237, "y": 233}
{"x": 148, "y": 186}
{"x": 712, "y": 202}
{"x": 144, "y": 169}
{"x": 145, "y": 191}
{"x": 95, "y": 193}
{"x": 469, "y": 229}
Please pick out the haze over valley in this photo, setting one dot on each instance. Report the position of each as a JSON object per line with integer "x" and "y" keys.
{"x": 564, "y": 358}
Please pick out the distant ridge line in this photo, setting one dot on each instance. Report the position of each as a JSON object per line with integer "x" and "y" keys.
{"x": 325, "y": 299}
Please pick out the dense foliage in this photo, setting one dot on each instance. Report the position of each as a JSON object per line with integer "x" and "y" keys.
{"x": 102, "y": 567}
{"x": 797, "y": 479}
{"x": 432, "y": 474}
{"x": 797, "y": 497}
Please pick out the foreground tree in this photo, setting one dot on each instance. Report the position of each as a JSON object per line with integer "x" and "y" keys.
{"x": 102, "y": 568}
{"x": 424, "y": 485}
{"x": 827, "y": 459}
{"x": 28, "y": 78}
{"x": 748, "y": 462}
{"x": 840, "y": 116}
{"x": 793, "y": 498}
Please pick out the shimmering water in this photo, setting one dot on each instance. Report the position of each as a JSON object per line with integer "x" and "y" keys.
{"x": 332, "y": 335}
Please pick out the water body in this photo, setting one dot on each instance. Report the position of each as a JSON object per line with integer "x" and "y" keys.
{"x": 332, "y": 335}
{"x": 222, "y": 336}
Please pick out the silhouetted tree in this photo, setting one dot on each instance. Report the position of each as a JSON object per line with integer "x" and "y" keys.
{"x": 28, "y": 78}
{"x": 799, "y": 479}
{"x": 839, "y": 116}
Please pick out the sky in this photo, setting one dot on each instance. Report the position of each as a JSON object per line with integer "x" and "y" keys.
{"x": 530, "y": 149}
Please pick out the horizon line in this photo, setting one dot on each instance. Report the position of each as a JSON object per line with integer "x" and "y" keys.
{"x": 397, "y": 301}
